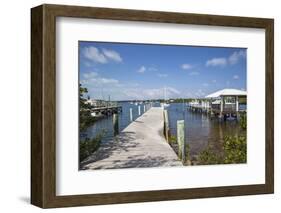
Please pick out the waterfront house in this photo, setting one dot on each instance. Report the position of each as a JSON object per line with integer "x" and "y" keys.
{"x": 226, "y": 101}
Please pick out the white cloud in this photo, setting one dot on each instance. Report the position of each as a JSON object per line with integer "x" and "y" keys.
{"x": 199, "y": 93}
{"x": 232, "y": 59}
{"x": 162, "y": 75}
{"x": 172, "y": 90}
{"x": 142, "y": 69}
{"x": 194, "y": 73}
{"x": 186, "y": 66}
{"x": 100, "y": 87}
{"x": 159, "y": 93}
{"x": 133, "y": 84}
{"x": 205, "y": 84}
{"x": 89, "y": 75}
{"x": 236, "y": 56}
{"x": 152, "y": 69}
{"x": 152, "y": 93}
{"x": 236, "y": 77}
{"x": 131, "y": 94}
{"x": 87, "y": 64}
{"x": 92, "y": 80}
{"x": 216, "y": 62}
{"x": 189, "y": 67}
{"x": 113, "y": 55}
{"x": 94, "y": 54}
{"x": 108, "y": 80}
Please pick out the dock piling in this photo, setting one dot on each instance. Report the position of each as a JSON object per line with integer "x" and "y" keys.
{"x": 143, "y": 108}
{"x": 115, "y": 124}
{"x": 181, "y": 140}
{"x": 131, "y": 114}
{"x": 237, "y": 104}
{"x": 166, "y": 125}
{"x": 139, "y": 108}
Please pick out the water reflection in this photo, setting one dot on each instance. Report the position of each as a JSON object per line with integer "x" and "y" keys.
{"x": 201, "y": 130}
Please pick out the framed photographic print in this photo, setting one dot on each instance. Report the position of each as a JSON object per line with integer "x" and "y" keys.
{"x": 136, "y": 106}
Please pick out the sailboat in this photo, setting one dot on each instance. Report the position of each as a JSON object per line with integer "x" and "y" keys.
{"x": 164, "y": 104}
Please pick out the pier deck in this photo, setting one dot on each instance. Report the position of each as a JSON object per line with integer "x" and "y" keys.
{"x": 141, "y": 144}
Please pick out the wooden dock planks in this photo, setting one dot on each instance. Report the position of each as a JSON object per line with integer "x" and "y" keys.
{"x": 141, "y": 144}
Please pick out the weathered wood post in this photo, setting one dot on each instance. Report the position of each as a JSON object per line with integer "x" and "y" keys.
{"x": 181, "y": 140}
{"x": 221, "y": 107}
{"x": 131, "y": 114}
{"x": 115, "y": 124}
{"x": 237, "y": 107}
{"x": 166, "y": 125}
{"x": 143, "y": 108}
{"x": 237, "y": 103}
{"x": 211, "y": 108}
{"x": 139, "y": 107}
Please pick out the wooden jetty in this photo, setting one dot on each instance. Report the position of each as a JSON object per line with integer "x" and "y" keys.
{"x": 105, "y": 110}
{"x": 100, "y": 108}
{"x": 141, "y": 144}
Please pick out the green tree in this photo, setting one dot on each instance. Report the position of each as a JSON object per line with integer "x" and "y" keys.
{"x": 85, "y": 117}
{"x": 243, "y": 121}
{"x": 88, "y": 146}
{"x": 208, "y": 156}
{"x": 82, "y": 101}
{"x": 235, "y": 149}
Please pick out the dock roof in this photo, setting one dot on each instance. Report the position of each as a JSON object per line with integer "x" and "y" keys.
{"x": 227, "y": 92}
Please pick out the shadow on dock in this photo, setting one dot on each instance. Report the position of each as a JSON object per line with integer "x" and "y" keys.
{"x": 122, "y": 143}
{"x": 140, "y": 145}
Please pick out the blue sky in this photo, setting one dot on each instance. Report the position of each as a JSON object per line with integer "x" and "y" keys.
{"x": 139, "y": 71}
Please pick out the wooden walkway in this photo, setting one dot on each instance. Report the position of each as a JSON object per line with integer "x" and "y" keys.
{"x": 141, "y": 144}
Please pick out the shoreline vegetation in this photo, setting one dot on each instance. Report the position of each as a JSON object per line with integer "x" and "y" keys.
{"x": 234, "y": 147}
{"x": 85, "y": 118}
{"x": 234, "y": 150}
{"x": 87, "y": 146}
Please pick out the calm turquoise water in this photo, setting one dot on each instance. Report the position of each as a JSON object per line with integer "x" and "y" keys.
{"x": 200, "y": 130}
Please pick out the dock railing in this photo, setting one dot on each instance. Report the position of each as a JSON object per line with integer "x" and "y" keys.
{"x": 101, "y": 104}
{"x": 227, "y": 107}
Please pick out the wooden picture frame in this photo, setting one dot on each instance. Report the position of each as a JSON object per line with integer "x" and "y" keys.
{"x": 43, "y": 105}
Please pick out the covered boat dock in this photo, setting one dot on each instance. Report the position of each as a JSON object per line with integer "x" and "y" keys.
{"x": 223, "y": 103}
